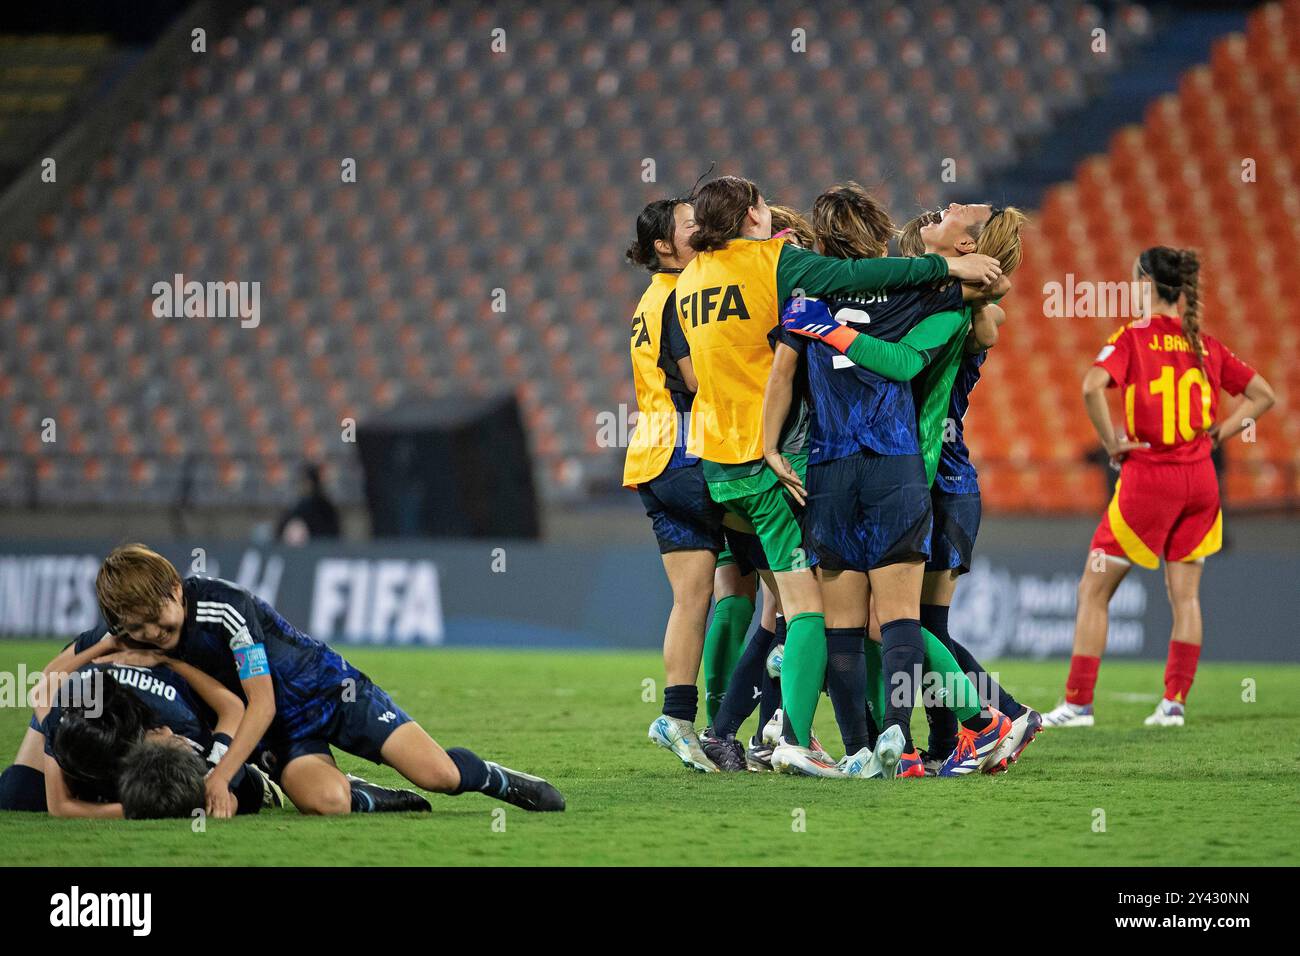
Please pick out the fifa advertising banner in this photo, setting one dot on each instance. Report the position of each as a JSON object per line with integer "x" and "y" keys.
{"x": 1017, "y": 603}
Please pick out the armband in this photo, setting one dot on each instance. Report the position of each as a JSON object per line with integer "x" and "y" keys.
{"x": 252, "y": 661}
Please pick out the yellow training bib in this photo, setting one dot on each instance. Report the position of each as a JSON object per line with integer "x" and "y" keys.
{"x": 726, "y": 301}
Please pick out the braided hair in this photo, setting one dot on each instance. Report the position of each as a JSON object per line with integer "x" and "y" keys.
{"x": 1176, "y": 272}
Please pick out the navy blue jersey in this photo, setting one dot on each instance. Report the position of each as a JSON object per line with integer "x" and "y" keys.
{"x": 229, "y": 632}
{"x": 854, "y": 409}
{"x": 956, "y": 474}
{"x": 673, "y": 347}
{"x": 165, "y": 693}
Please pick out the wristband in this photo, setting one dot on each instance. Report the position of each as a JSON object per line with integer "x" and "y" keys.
{"x": 220, "y": 744}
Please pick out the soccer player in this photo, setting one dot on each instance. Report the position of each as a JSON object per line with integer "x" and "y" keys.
{"x": 300, "y": 695}
{"x": 106, "y": 708}
{"x": 869, "y": 508}
{"x": 729, "y": 298}
{"x": 1166, "y": 502}
{"x": 955, "y": 496}
{"x": 687, "y": 522}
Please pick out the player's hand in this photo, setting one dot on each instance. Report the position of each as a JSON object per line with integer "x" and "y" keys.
{"x": 980, "y": 269}
{"x": 1214, "y": 431}
{"x": 135, "y": 658}
{"x": 812, "y": 318}
{"x": 787, "y": 475}
{"x": 221, "y": 803}
{"x": 1121, "y": 448}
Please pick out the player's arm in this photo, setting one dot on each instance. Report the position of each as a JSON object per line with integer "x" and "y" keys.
{"x": 984, "y": 325}
{"x": 900, "y": 361}
{"x": 228, "y": 707}
{"x": 687, "y": 368}
{"x": 974, "y": 292}
{"x": 257, "y": 718}
{"x": 61, "y": 803}
{"x": 68, "y": 661}
{"x": 1095, "y": 383}
{"x": 776, "y": 408}
{"x": 800, "y": 269}
{"x": 1258, "y": 398}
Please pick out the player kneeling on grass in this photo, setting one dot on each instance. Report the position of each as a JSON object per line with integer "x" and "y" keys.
{"x": 302, "y": 697}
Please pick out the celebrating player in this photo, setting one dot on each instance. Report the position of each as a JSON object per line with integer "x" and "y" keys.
{"x": 1166, "y": 502}
{"x": 869, "y": 504}
{"x": 729, "y": 297}
{"x": 300, "y": 694}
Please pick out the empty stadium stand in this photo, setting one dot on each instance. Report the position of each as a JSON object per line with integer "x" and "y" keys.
{"x": 480, "y": 245}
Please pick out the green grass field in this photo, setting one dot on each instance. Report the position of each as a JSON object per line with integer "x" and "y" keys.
{"x": 1224, "y": 790}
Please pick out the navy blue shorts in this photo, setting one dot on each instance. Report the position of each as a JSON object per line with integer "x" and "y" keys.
{"x": 868, "y": 511}
{"x": 357, "y": 723}
{"x": 747, "y": 550}
{"x": 956, "y": 524}
{"x": 684, "y": 516}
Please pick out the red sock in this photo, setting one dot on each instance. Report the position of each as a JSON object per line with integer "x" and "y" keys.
{"x": 1180, "y": 669}
{"x": 1082, "y": 679}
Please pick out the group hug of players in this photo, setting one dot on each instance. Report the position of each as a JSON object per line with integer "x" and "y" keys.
{"x": 800, "y": 401}
{"x": 199, "y": 696}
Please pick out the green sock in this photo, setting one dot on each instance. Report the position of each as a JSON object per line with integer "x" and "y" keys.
{"x": 803, "y": 672}
{"x": 939, "y": 660}
{"x": 875, "y": 684}
{"x": 723, "y": 643}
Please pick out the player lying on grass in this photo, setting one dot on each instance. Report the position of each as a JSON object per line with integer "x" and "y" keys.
{"x": 869, "y": 507}
{"x": 1166, "y": 502}
{"x": 104, "y": 734}
{"x": 300, "y": 696}
{"x": 88, "y": 718}
{"x": 728, "y": 298}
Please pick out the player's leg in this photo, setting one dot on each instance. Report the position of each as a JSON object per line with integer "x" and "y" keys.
{"x": 1102, "y": 576}
{"x": 416, "y": 756}
{"x": 745, "y": 684}
{"x": 316, "y": 785}
{"x": 1183, "y": 584}
{"x": 1197, "y": 533}
{"x": 22, "y": 784}
{"x": 845, "y": 596}
{"x": 690, "y": 575}
{"x": 734, "y": 588}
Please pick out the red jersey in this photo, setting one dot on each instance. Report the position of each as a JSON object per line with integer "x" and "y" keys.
{"x": 1170, "y": 399}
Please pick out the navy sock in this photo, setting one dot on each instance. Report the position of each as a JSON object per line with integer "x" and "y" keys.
{"x": 681, "y": 701}
{"x": 476, "y": 775}
{"x": 991, "y": 692}
{"x": 846, "y": 682}
{"x": 22, "y": 788}
{"x": 942, "y": 721}
{"x": 771, "y": 700}
{"x": 745, "y": 685}
{"x": 903, "y": 659}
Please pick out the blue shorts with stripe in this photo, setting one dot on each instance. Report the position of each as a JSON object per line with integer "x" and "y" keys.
{"x": 867, "y": 511}
{"x": 956, "y": 525}
{"x": 684, "y": 516}
{"x": 358, "y": 721}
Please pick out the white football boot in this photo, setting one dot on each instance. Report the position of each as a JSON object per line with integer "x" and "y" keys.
{"x": 863, "y": 765}
{"x": 1023, "y": 731}
{"x": 889, "y": 750}
{"x": 1069, "y": 715}
{"x": 679, "y": 737}
{"x": 1169, "y": 713}
{"x": 791, "y": 758}
{"x": 772, "y": 733}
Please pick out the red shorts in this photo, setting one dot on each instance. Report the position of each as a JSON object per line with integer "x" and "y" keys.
{"x": 1160, "y": 510}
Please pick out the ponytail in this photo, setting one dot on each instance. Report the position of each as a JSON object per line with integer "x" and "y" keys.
{"x": 1176, "y": 272}
{"x": 1189, "y": 267}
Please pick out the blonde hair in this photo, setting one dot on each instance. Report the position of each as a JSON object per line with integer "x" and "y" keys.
{"x": 851, "y": 224}
{"x": 783, "y": 217}
{"x": 1000, "y": 238}
{"x": 133, "y": 583}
